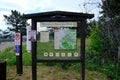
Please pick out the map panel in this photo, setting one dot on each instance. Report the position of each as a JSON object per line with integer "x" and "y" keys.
{"x": 65, "y": 38}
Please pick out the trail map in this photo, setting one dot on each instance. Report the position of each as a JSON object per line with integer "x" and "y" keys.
{"x": 65, "y": 39}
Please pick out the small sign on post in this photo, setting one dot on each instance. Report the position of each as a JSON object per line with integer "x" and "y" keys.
{"x": 32, "y": 35}
{"x": 17, "y": 39}
{"x": 17, "y": 48}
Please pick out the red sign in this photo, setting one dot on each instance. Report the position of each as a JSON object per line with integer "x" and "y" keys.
{"x": 17, "y": 39}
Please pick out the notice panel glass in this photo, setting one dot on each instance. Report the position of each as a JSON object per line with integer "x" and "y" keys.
{"x": 58, "y": 42}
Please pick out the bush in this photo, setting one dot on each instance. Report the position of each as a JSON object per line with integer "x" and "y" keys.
{"x": 8, "y": 56}
{"x": 95, "y": 41}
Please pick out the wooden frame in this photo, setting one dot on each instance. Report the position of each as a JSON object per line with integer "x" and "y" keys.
{"x": 59, "y": 16}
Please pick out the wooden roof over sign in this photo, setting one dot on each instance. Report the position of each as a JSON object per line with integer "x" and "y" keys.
{"x": 58, "y": 16}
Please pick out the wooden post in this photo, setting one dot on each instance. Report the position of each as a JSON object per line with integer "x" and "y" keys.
{"x": 34, "y": 51}
{"x": 19, "y": 59}
{"x": 119, "y": 56}
{"x": 3, "y": 70}
{"x": 83, "y": 34}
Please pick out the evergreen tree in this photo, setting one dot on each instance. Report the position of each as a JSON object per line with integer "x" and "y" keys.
{"x": 17, "y": 20}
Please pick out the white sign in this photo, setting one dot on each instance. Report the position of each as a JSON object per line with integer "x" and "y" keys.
{"x": 28, "y": 42}
{"x": 58, "y": 24}
{"x": 51, "y": 54}
{"x": 17, "y": 38}
{"x": 63, "y": 54}
{"x": 44, "y": 36}
{"x": 32, "y": 35}
{"x": 69, "y": 54}
{"x": 76, "y": 54}
{"x": 57, "y": 54}
{"x": 45, "y": 54}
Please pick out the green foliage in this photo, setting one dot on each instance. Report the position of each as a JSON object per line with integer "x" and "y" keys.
{"x": 108, "y": 68}
{"x": 26, "y": 57}
{"x": 17, "y": 20}
{"x": 91, "y": 65}
{"x": 111, "y": 70}
{"x": 102, "y": 50}
{"x": 110, "y": 8}
{"x": 8, "y": 56}
{"x": 95, "y": 41}
{"x": 63, "y": 65}
{"x": 75, "y": 67}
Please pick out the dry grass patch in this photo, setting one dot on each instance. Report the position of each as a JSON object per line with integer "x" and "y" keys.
{"x": 50, "y": 73}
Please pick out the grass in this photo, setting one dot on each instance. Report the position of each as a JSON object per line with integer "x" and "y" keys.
{"x": 49, "y": 47}
{"x": 51, "y": 73}
{"x": 8, "y": 55}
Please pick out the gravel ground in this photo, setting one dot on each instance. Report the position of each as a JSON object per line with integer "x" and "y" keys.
{"x": 5, "y": 45}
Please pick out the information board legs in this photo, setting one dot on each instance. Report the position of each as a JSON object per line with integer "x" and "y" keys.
{"x": 34, "y": 51}
{"x": 83, "y": 28}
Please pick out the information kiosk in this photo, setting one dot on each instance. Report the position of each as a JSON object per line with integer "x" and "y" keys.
{"x": 65, "y": 26}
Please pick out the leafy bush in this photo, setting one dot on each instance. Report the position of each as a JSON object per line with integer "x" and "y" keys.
{"x": 111, "y": 70}
{"x": 95, "y": 41}
{"x": 8, "y": 56}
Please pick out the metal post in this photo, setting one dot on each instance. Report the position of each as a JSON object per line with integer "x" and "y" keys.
{"x": 34, "y": 49}
{"x": 83, "y": 34}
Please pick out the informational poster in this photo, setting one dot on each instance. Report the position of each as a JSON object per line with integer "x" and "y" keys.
{"x": 44, "y": 36}
{"x": 32, "y": 35}
{"x": 65, "y": 38}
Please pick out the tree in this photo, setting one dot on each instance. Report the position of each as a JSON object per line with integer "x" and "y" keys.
{"x": 110, "y": 8}
{"x": 17, "y": 20}
{"x": 109, "y": 27}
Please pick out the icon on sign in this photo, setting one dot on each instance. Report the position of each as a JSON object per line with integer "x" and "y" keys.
{"x": 57, "y": 54}
{"x": 51, "y": 54}
{"x": 63, "y": 54}
{"x": 45, "y": 54}
{"x": 76, "y": 54}
{"x": 69, "y": 54}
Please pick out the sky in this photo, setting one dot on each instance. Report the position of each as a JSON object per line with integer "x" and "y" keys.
{"x": 36, "y": 6}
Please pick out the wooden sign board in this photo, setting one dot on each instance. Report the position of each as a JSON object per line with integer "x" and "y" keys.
{"x": 58, "y": 24}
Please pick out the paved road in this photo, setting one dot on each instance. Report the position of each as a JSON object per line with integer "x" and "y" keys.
{"x": 5, "y": 45}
